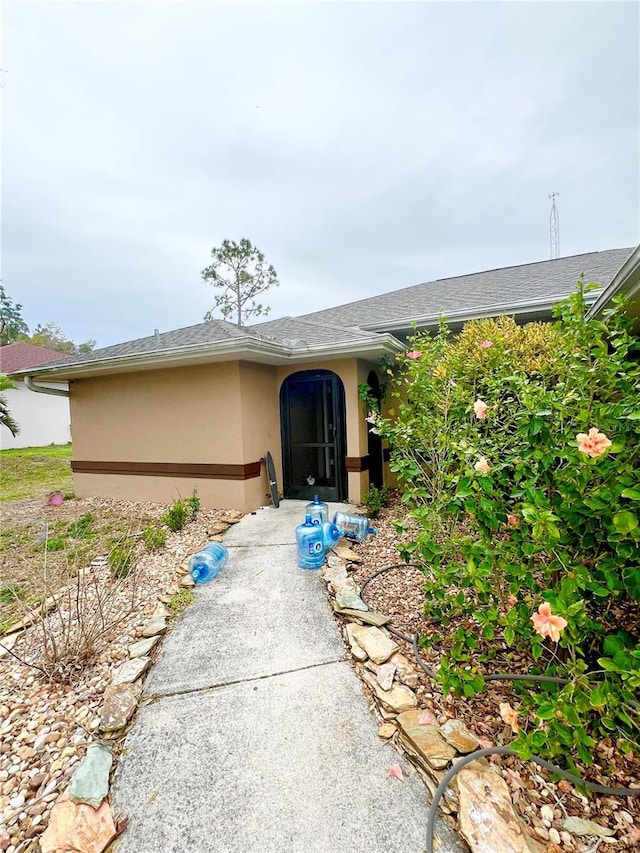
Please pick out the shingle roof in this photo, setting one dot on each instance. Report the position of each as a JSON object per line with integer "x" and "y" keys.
{"x": 490, "y": 290}
{"x": 21, "y": 355}
{"x": 303, "y": 331}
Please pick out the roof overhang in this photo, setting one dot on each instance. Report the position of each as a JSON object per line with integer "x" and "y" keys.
{"x": 529, "y": 311}
{"x": 251, "y": 349}
{"x": 625, "y": 283}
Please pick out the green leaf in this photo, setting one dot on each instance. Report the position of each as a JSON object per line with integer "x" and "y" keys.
{"x": 608, "y": 664}
{"x": 632, "y": 494}
{"x": 509, "y": 636}
{"x": 625, "y": 521}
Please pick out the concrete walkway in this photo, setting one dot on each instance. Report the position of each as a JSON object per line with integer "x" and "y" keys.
{"x": 258, "y": 735}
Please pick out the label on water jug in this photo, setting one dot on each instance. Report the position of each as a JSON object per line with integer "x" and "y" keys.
{"x": 315, "y": 547}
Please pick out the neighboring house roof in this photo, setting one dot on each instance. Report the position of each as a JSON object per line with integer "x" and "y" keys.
{"x": 20, "y": 356}
{"x": 368, "y": 328}
{"x": 625, "y": 283}
{"x": 528, "y": 288}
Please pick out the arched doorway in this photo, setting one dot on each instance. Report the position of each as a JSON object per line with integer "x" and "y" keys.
{"x": 374, "y": 442}
{"x": 312, "y": 419}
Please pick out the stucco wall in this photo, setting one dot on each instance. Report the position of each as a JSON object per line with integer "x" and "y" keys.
{"x": 43, "y": 419}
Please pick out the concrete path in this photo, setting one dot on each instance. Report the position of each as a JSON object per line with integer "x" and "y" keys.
{"x": 258, "y": 735}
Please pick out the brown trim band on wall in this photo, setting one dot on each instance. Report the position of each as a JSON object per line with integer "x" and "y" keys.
{"x": 212, "y": 471}
{"x": 356, "y": 464}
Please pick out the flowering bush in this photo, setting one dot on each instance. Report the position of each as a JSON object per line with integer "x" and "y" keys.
{"x": 518, "y": 450}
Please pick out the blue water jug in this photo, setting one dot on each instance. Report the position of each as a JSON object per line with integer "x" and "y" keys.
{"x": 330, "y": 534}
{"x": 206, "y": 564}
{"x": 354, "y": 527}
{"x": 310, "y": 544}
{"x": 318, "y": 509}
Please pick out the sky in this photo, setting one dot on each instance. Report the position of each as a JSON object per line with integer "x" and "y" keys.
{"x": 362, "y": 147}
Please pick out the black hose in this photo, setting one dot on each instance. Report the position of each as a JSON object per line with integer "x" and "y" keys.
{"x": 505, "y": 750}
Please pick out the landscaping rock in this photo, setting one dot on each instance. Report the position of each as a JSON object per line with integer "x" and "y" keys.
{"x": 335, "y": 562}
{"x": 397, "y": 699}
{"x": 486, "y": 812}
{"x": 218, "y": 527}
{"x": 345, "y": 553}
{"x": 405, "y": 671}
{"x": 8, "y": 642}
{"x": 580, "y": 826}
{"x": 371, "y": 617}
{"x": 187, "y": 582}
{"x": 386, "y": 730}
{"x": 350, "y": 599}
{"x": 385, "y": 675}
{"x": 376, "y": 644}
{"x": 142, "y": 647}
{"x": 426, "y": 740}
{"x": 459, "y": 736}
{"x": 130, "y": 670}
{"x": 158, "y": 622}
{"x": 356, "y": 649}
{"x": 119, "y": 703}
{"x": 90, "y": 782}
{"x": 75, "y": 827}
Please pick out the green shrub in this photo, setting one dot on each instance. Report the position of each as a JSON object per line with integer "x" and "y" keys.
{"x": 121, "y": 558}
{"x": 521, "y": 507}
{"x": 177, "y": 515}
{"x": 55, "y": 544}
{"x": 376, "y": 499}
{"x": 155, "y": 538}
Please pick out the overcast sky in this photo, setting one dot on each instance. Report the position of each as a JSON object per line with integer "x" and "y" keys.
{"x": 362, "y": 147}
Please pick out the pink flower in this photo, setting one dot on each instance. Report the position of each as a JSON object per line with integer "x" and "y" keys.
{"x": 372, "y": 417}
{"x": 453, "y": 383}
{"x": 510, "y": 716}
{"x": 507, "y": 334}
{"x": 547, "y": 625}
{"x": 480, "y": 409}
{"x": 426, "y": 718}
{"x": 414, "y": 353}
{"x": 593, "y": 443}
{"x": 486, "y": 344}
{"x": 482, "y": 465}
{"x": 395, "y": 771}
{"x": 511, "y": 601}
{"x": 512, "y": 520}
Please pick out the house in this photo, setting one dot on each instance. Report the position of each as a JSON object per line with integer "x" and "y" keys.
{"x": 42, "y": 418}
{"x": 199, "y": 407}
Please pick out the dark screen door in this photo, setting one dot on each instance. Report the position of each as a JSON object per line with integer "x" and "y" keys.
{"x": 312, "y": 418}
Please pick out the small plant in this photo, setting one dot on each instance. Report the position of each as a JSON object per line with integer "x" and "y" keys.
{"x": 81, "y": 529}
{"x": 180, "y": 600}
{"x": 177, "y": 515}
{"x": 155, "y": 538}
{"x": 54, "y": 544}
{"x": 376, "y": 499}
{"x": 194, "y": 503}
{"x": 69, "y": 496}
{"x": 121, "y": 558}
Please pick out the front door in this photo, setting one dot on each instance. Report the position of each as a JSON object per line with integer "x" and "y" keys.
{"x": 313, "y": 436}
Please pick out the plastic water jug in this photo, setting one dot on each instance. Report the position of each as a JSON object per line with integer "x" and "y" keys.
{"x": 318, "y": 509}
{"x": 354, "y": 527}
{"x": 330, "y": 535}
{"x": 310, "y": 544}
{"x": 206, "y": 564}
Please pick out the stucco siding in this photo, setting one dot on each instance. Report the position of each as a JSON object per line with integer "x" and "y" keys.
{"x": 43, "y": 419}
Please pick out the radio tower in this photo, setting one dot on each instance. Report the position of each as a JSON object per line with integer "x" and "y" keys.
{"x": 554, "y": 227}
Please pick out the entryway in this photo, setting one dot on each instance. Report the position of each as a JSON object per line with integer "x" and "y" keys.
{"x": 312, "y": 418}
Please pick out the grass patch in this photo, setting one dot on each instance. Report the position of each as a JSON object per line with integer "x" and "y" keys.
{"x": 180, "y": 600}
{"x": 27, "y": 472}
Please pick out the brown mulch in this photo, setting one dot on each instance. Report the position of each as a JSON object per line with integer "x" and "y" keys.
{"x": 399, "y": 594}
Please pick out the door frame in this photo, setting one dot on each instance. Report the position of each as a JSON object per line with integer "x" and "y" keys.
{"x": 331, "y": 493}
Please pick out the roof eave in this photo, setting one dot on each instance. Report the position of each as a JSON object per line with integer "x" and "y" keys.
{"x": 456, "y": 318}
{"x": 625, "y": 283}
{"x": 249, "y": 350}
